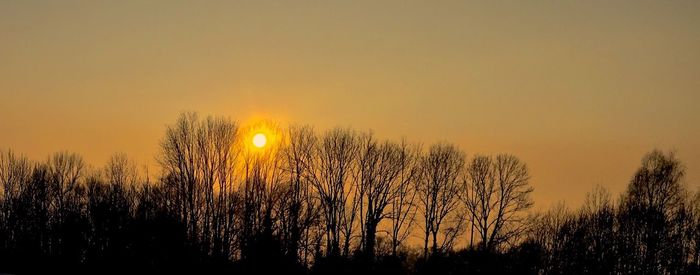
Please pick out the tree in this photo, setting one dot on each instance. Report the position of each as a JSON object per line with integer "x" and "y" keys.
{"x": 657, "y": 183}
{"x": 378, "y": 171}
{"x": 694, "y": 232}
{"x": 438, "y": 195}
{"x": 15, "y": 176}
{"x": 303, "y": 203}
{"x": 198, "y": 158}
{"x": 548, "y": 231}
{"x": 652, "y": 205}
{"x": 496, "y": 194}
{"x": 66, "y": 172}
{"x": 402, "y": 210}
{"x": 598, "y": 222}
{"x": 652, "y": 230}
{"x": 263, "y": 189}
{"x": 299, "y": 209}
{"x": 15, "y": 172}
{"x": 330, "y": 178}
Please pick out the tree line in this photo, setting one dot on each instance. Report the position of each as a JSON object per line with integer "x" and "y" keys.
{"x": 336, "y": 202}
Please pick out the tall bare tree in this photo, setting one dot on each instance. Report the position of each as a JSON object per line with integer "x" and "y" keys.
{"x": 496, "y": 194}
{"x": 65, "y": 171}
{"x": 654, "y": 203}
{"x": 198, "y": 158}
{"x": 402, "y": 209}
{"x": 330, "y": 177}
{"x": 378, "y": 173}
{"x": 300, "y": 210}
{"x": 15, "y": 172}
{"x": 438, "y": 195}
{"x": 263, "y": 189}
{"x": 657, "y": 184}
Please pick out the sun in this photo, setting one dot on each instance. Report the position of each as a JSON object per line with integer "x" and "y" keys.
{"x": 259, "y": 140}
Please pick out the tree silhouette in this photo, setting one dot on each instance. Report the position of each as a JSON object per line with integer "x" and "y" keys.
{"x": 341, "y": 202}
{"x": 332, "y": 167}
{"x": 496, "y": 193}
{"x": 402, "y": 210}
{"x": 380, "y": 166}
{"x": 438, "y": 195}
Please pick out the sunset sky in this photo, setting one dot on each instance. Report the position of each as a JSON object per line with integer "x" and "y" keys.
{"x": 578, "y": 90}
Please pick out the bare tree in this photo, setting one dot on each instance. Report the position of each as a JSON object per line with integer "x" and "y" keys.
{"x": 221, "y": 177}
{"x": 299, "y": 208}
{"x": 496, "y": 194}
{"x": 694, "y": 232}
{"x": 657, "y": 184}
{"x": 598, "y": 217}
{"x": 15, "y": 172}
{"x": 597, "y": 200}
{"x": 65, "y": 171}
{"x": 402, "y": 208}
{"x": 178, "y": 160}
{"x": 198, "y": 158}
{"x": 548, "y": 232}
{"x": 330, "y": 178}
{"x": 650, "y": 210}
{"x": 378, "y": 171}
{"x": 263, "y": 189}
{"x": 120, "y": 171}
{"x": 438, "y": 193}
{"x": 652, "y": 230}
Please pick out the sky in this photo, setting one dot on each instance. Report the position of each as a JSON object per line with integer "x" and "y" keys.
{"x": 579, "y": 90}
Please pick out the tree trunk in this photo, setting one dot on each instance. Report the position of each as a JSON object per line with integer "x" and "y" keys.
{"x": 370, "y": 240}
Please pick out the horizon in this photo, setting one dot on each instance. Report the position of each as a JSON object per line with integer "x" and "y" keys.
{"x": 152, "y": 168}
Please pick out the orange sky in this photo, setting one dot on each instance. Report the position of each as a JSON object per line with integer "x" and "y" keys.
{"x": 579, "y": 90}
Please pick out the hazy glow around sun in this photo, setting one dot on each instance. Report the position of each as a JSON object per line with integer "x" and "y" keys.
{"x": 259, "y": 140}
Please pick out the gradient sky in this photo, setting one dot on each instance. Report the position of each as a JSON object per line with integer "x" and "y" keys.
{"x": 578, "y": 90}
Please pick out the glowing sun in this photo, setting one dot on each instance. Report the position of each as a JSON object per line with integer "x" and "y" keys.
{"x": 259, "y": 140}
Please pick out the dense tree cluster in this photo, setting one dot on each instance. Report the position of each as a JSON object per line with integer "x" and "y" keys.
{"x": 338, "y": 202}
{"x": 654, "y": 228}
